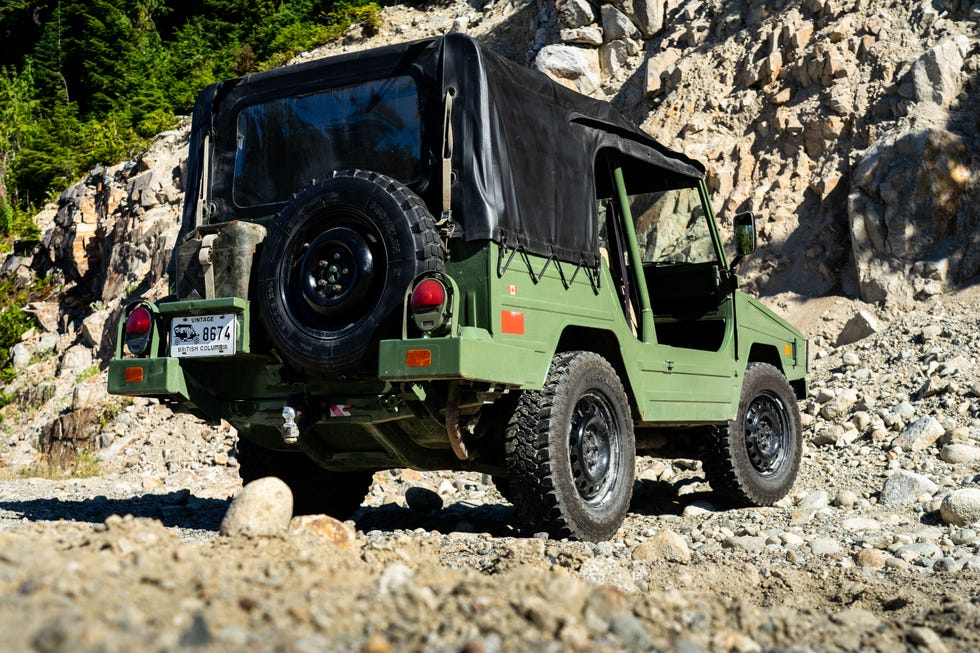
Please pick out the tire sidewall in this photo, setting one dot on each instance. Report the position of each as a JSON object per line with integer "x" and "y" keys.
{"x": 763, "y": 379}
{"x": 590, "y": 373}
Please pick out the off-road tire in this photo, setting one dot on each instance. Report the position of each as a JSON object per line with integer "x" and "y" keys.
{"x": 316, "y": 491}
{"x": 334, "y": 269}
{"x": 754, "y": 460}
{"x": 570, "y": 451}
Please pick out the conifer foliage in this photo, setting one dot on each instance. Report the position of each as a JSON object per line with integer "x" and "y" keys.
{"x": 88, "y": 81}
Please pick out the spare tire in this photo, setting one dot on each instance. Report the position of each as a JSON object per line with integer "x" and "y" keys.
{"x": 335, "y": 267}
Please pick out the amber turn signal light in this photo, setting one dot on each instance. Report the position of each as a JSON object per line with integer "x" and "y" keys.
{"x": 418, "y": 357}
{"x": 134, "y": 375}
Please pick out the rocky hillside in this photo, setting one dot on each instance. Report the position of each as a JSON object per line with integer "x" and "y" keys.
{"x": 849, "y": 127}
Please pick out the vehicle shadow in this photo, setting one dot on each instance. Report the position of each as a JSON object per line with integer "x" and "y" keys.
{"x": 496, "y": 519}
{"x": 179, "y": 509}
{"x": 657, "y": 498}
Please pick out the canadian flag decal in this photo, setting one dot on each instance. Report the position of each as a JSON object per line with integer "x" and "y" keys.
{"x": 340, "y": 410}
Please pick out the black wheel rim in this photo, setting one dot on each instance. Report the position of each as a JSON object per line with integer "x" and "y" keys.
{"x": 766, "y": 434}
{"x": 337, "y": 271}
{"x": 593, "y": 452}
{"x": 334, "y": 276}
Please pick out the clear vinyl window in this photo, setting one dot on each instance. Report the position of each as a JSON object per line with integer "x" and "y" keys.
{"x": 285, "y": 143}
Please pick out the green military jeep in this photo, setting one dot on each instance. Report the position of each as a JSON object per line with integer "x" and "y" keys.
{"x": 426, "y": 256}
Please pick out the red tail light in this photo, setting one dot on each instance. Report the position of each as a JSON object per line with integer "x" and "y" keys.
{"x": 138, "y": 331}
{"x": 428, "y": 295}
{"x": 138, "y": 322}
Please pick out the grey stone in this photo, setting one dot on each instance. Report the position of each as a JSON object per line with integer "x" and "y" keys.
{"x": 840, "y": 405}
{"x": 575, "y": 13}
{"x": 846, "y": 499}
{"x": 920, "y": 434}
{"x": 582, "y": 36}
{"x": 862, "y": 325}
{"x": 616, "y": 25}
{"x": 700, "y": 507}
{"x": 824, "y": 546}
{"x": 21, "y": 355}
{"x": 745, "y": 542}
{"x": 959, "y": 453}
{"x": 893, "y": 212}
{"x": 904, "y": 487}
{"x": 856, "y": 619}
{"x": 612, "y": 56}
{"x": 606, "y": 571}
{"x": 263, "y": 508}
{"x": 905, "y": 410}
{"x": 961, "y": 507}
{"x": 814, "y": 500}
{"x": 75, "y": 360}
{"x": 93, "y": 327}
{"x": 48, "y": 343}
{"x": 919, "y": 550}
{"x": 850, "y": 359}
{"x": 577, "y": 68}
{"x": 935, "y": 77}
{"x": 964, "y": 536}
{"x": 649, "y": 16}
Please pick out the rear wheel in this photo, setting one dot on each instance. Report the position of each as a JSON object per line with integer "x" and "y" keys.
{"x": 570, "y": 450}
{"x": 755, "y": 459}
{"x": 315, "y": 490}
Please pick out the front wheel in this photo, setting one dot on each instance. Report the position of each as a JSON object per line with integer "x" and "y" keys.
{"x": 755, "y": 460}
{"x": 570, "y": 450}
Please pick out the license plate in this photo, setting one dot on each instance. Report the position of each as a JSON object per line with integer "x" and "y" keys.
{"x": 203, "y": 335}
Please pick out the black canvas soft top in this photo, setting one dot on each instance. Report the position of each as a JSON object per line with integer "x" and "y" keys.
{"x": 525, "y": 148}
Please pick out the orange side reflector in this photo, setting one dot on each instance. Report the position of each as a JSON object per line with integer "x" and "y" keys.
{"x": 418, "y": 357}
{"x": 512, "y": 322}
{"x": 134, "y": 375}
{"x": 789, "y": 350}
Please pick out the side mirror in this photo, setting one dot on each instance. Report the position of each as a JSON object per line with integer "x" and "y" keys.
{"x": 745, "y": 237}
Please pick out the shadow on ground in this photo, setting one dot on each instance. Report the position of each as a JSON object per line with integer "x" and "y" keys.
{"x": 178, "y": 509}
{"x": 181, "y": 509}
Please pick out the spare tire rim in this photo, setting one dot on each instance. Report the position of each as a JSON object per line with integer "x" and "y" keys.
{"x": 591, "y": 451}
{"x": 337, "y": 271}
{"x": 766, "y": 434}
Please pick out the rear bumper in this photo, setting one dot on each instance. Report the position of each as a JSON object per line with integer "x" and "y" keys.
{"x": 461, "y": 358}
{"x": 147, "y": 377}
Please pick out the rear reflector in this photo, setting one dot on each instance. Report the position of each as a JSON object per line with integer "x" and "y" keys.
{"x": 134, "y": 375}
{"x": 418, "y": 357}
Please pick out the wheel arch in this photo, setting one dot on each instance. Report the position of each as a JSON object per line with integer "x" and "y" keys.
{"x": 761, "y": 352}
{"x": 606, "y": 344}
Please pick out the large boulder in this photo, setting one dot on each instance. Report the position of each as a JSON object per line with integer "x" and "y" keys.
{"x": 905, "y": 195}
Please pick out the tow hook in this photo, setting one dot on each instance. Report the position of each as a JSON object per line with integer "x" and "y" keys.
{"x": 290, "y": 430}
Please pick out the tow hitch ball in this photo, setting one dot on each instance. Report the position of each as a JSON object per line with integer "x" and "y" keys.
{"x": 290, "y": 430}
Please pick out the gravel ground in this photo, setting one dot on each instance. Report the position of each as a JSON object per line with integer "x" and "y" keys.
{"x": 869, "y": 552}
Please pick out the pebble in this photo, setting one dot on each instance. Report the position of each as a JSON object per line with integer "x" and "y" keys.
{"x": 870, "y": 558}
{"x": 815, "y": 500}
{"x": 666, "y": 546}
{"x": 824, "y": 546}
{"x": 904, "y": 487}
{"x": 421, "y": 499}
{"x": 961, "y": 507}
{"x": 959, "y": 453}
{"x": 920, "y": 434}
